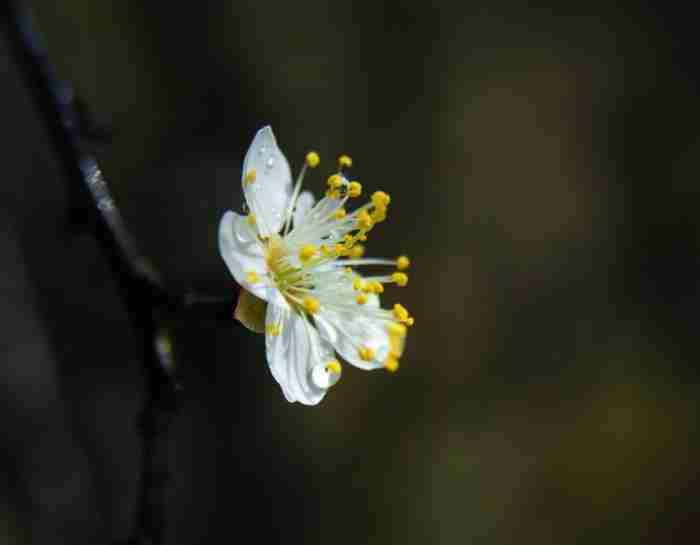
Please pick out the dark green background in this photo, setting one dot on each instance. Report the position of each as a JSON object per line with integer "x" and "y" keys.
{"x": 543, "y": 172}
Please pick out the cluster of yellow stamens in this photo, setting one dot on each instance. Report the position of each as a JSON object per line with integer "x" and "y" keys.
{"x": 402, "y": 315}
{"x": 295, "y": 280}
{"x": 397, "y": 335}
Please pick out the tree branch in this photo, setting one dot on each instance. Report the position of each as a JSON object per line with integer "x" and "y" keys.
{"x": 149, "y": 303}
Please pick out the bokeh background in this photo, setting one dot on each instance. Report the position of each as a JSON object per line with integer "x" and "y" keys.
{"x": 543, "y": 171}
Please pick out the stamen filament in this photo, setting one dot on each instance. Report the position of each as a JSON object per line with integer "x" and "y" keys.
{"x": 293, "y": 200}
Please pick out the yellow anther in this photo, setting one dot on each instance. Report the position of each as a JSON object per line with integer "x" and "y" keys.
{"x": 376, "y": 287}
{"x": 252, "y": 277}
{"x": 403, "y": 263}
{"x": 380, "y": 199}
{"x": 307, "y": 252}
{"x": 326, "y": 251}
{"x": 312, "y": 159}
{"x": 396, "y": 344}
{"x": 401, "y": 313}
{"x": 335, "y": 181}
{"x": 250, "y": 177}
{"x": 396, "y": 330}
{"x": 311, "y": 304}
{"x": 354, "y": 189}
{"x": 365, "y": 353}
{"x": 379, "y": 214}
{"x": 410, "y": 321}
{"x": 339, "y": 214}
{"x": 364, "y": 221}
{"x": 251, "y": 219}
{"x": 391, "y": 364}
{"x": 344, "y": 161}
{"x": 340, "y": 249}
{"x": 362, "y": 237}
{"x": 361, "y": 298}
{"x": 333, "y": 366}
{"x": 358, "y": 284}
{"x": 272, "y": 329}
{"x": 399, "y": 278}
{"x": 333, "y": 194}
{"x": 357, "y": 251}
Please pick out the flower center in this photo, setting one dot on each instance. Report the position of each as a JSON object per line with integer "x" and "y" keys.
{"x": 292, "y": 282}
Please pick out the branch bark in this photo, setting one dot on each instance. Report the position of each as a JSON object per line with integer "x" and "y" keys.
{"x": 151, "y": 306}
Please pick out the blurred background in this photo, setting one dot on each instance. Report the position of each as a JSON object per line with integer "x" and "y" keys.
{"x": 544, "y": 180}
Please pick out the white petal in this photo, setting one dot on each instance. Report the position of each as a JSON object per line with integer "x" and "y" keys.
{"x": 242, "y": 252}
{"x": 348, "y": 330}
{"x": 295, "y": 355}
{"x": 268, "y": 196}
{"x": 305, "y": 202}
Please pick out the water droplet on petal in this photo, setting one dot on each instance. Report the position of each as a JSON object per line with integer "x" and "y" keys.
{"x": 269, "y": 163}
{"x": 322, "y": 378}
{"x": 262, "y": 150}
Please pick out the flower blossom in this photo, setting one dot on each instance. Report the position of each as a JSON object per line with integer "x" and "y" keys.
{"x": 299, "y": 256}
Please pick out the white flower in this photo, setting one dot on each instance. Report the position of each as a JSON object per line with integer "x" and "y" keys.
{"x": 298, "y": 255}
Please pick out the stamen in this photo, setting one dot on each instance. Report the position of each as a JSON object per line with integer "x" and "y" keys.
{"x": 399, "y": 278}
{"x": 344, "y": 161}
{"x": 251, "y": 219}
{"x": 252, "y": 277}
{"x": 361, "y": 299}
{"x": 364, "y": 221}
{"x": 357, "y": 251}
{"x": 403, "y": 263}
{"x": 401, "y": 314}
{"x": 365, "y": 353}
{"x": 339, "y": 214}
{"x": 250, "y": 177}
{"x": 335, "y": 181}
{"x": 311, "y": 304}
{"x": 391, "y": 364}
{"x": 354, "y": 189}
{"x": 367, "y": 261}
{"x": 376, "y": 287}
{"x": 297, "y": 190}
{"x": 312, "y": 159}
{"x": 273, "y": 329}
{"x": 333, "y": 366}
{"x": 396, "y": 330}
{"x": 379, "y": 214}
{"x": 380, "y": 199}
{"x": 307, "y": 252}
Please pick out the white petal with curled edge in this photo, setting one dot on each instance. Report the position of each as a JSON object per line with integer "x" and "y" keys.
{"x": 276, "y": 346}
{"x": 242, "y": 252}
{"x": 305, "y": 202}
{"x": 294, "y": 356}
{"x": 269, "y": 194}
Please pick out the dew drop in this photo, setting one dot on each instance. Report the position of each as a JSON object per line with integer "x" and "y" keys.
{"x": 269, "y": 163}
{"x": 262, "y": 150}
{"x": 321, "y": 378}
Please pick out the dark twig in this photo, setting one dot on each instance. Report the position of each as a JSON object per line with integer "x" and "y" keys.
{"x": 150, "y": 305}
